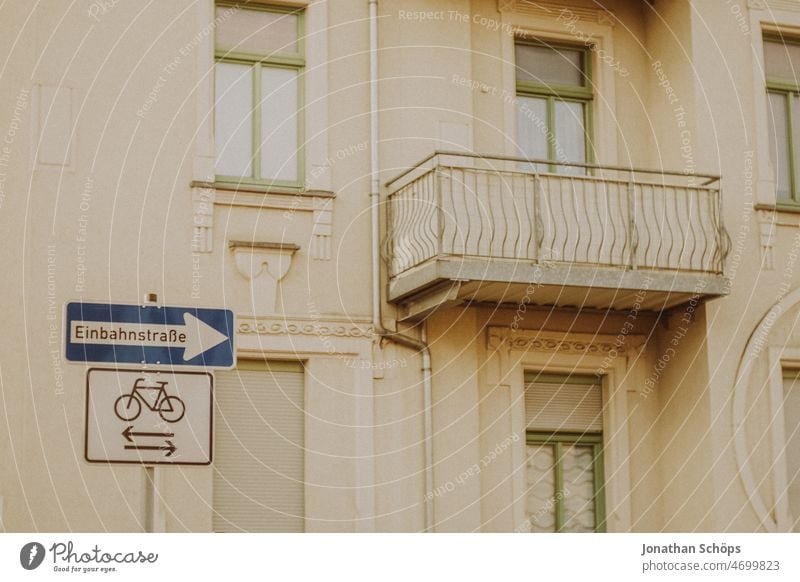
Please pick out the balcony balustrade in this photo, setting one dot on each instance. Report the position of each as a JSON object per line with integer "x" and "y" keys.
{"x": 504, "y": 230}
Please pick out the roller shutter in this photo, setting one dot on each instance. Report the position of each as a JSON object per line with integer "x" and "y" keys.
{"x": 556, "y": 403}
{"x": 258, "y": 457}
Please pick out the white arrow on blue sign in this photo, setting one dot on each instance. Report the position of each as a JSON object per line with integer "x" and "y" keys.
{"x": 149, "y": 334}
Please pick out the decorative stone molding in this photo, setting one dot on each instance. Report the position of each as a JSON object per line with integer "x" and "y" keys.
{"x": 263, "y": 264}
{"x": 635, "y": 353}
{"x": 606, "y": 18}
{"x": 322, "y": 229}
{"x": 558, "y": 345}
{"x": 547, "y": 341}
{"x": 773, "y": 5}
{"x": 505, "y": 5}
{"x": 308, "y": 326}
{"x": 747, "y": 383}
{"x": 265, "y": 201}
{"x": 265, "y": 197}
{"x": 495, "y": 341}
{"x": 203, "y": 219}
{"x": 766, "y": 237}
{"x": 553, "y": 9}
{"x": 206, "y": 195}
{"x": 580, "y": 353}
{"x": 52, "y": 113}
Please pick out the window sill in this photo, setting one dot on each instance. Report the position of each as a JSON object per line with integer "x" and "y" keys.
{"x": 788, "y": 207}
{"x": 263, "y": 246}
{"x": 786, "y": 213}
{"x": 262, "y": 189}
{"x": 207, "y": 195}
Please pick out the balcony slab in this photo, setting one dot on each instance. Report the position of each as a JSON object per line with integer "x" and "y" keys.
{"x": 449, "y": 280}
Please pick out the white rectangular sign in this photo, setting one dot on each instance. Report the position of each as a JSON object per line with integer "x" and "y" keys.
{"x": 148, "y": 417}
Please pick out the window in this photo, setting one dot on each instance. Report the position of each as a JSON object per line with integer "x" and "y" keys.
{"x": 782, "y": 68}
{"x": 258, "y": 84}
{"x": 259, "y": 448}
{"x": 564, "y": 470}
{"x": 554, "y": 97}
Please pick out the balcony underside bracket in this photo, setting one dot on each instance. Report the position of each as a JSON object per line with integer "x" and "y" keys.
{"x": 442, "y": 296}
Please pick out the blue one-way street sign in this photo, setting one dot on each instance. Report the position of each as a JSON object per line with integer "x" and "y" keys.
{"x": 136, "y": 334}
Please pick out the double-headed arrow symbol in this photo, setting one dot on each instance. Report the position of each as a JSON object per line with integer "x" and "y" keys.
{"x": 168, "y": 446}
{"x": 128, "y": 433}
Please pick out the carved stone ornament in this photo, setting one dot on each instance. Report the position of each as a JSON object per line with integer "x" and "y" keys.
{"x": 303, "y": 326}
{"x": 263, "y": 264}
{"x": 581, "y": 344}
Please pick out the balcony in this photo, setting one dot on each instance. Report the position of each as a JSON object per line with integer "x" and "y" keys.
{"x": 506, "y": 230}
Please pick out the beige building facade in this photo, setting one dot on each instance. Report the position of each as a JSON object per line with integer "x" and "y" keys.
{"x": 496, "y": 265}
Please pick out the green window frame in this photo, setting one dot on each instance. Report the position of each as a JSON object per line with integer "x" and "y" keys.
{"x": 789, "y": 91}
{"x": 561, "y": 440}
{"x": 294, "y": 61}
{"x": 552, "y": 92}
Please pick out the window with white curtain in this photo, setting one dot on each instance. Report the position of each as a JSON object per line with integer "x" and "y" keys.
{"x": 554, "y": 96}
{"x": 258, "y": 85}
{"x": 564, "y": 444}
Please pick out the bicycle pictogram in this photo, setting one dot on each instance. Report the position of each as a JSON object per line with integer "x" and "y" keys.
{"x": 128, "y": 407}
